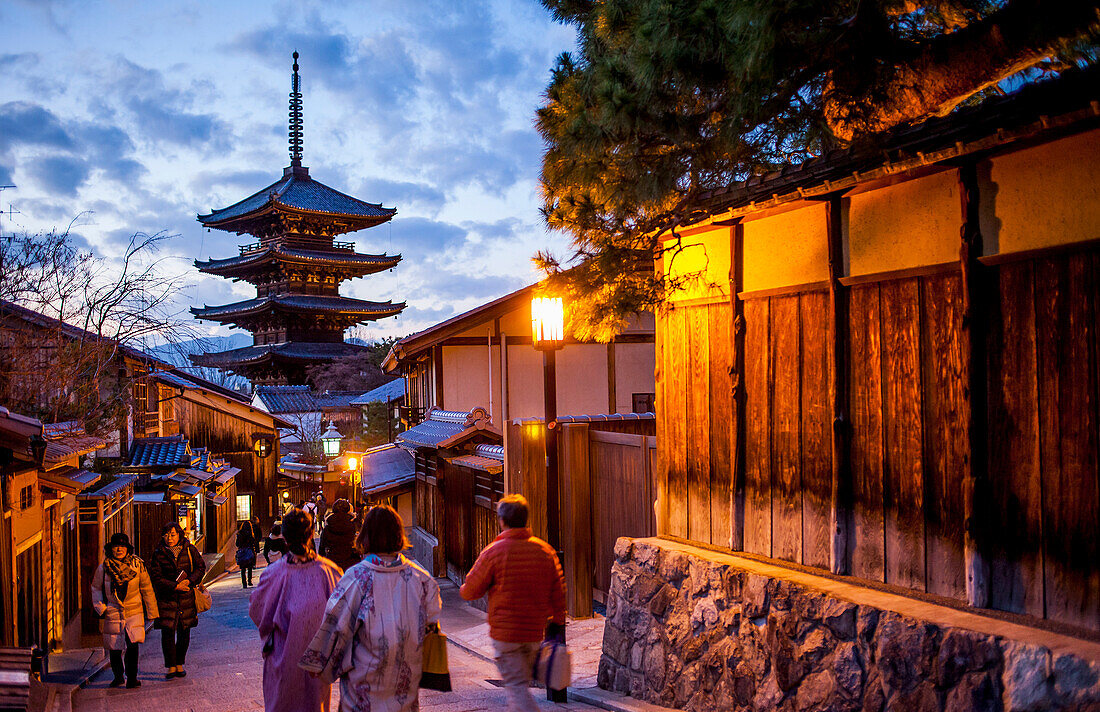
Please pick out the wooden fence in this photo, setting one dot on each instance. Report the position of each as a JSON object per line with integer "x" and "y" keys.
{"x": 606, "y": 490}
{"x": 758, "y": 470}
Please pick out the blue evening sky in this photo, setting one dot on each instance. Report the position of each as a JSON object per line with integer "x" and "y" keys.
{"x": 148, "y": 113}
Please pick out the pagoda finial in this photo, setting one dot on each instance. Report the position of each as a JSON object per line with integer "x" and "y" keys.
{"x": 295, "y": 116}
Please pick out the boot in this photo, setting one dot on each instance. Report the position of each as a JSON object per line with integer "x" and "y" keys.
{"x": 116, "y": 668}
{"x": 131, "y": 665}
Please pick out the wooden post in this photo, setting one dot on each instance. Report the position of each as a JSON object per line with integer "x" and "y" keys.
{"x": 612, "y": 397}
{"x": 577, "y": 518}
{"x": 840, "y": 490}
{"x": 737, "y": 389}
{"x": 975, "y": 491}
{"x": 437, "y": 374}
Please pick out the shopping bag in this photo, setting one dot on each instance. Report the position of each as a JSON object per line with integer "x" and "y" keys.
{"x": 554, "y": 665}
{"x": 435, "y": 673}
{"x": 203, "y": 600}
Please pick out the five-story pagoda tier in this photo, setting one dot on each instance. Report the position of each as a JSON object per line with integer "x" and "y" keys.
{"x": 298, "y": 317}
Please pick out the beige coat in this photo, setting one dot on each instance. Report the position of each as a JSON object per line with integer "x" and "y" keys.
{"x": 123, "y": 620}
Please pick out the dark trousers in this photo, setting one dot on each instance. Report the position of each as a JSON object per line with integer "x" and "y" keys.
{"x": 246, "y": 575}
{"x": 131, "y": 662}
{"x": 173, "y": 643}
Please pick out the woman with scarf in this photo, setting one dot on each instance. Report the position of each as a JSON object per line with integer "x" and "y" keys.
{"x": 176, "y": 567}
{"x": 287, "y": 607}
{"x": 122, "y": 596}
{"x": 372, "y": 634}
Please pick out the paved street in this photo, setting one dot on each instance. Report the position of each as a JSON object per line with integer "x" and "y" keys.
{"x": 224, "y": 671}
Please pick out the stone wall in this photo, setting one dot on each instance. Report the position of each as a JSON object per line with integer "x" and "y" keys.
{"x": 695, "y": 630}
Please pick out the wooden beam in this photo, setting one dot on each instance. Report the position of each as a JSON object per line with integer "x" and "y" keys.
{"x": 737, "y": 389}
{"x": 976, "y": 494}
{"x": 612, "y": 401}
{"x": 840, "y": 490}
{"x": 577, "y": 518}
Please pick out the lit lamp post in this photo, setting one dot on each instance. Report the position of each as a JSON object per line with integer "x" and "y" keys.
{"x": 330, "y": 442}
{"x": 547, "y": 336}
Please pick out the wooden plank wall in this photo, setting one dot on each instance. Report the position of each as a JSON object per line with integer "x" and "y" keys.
{"x": 1044, "y": 426}
{"x": 621, "y": 495}
{"x": 693, "y": 392}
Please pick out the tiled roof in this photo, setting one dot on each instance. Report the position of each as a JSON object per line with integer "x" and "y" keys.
{"x": 290, "y": 351}
{"x": 296, "y": 190}
{"x": 446, "y": 427}
{"x": 476, "y": 462}
{"x": 337, "y": 399}
{"x": 300, "y": 303}
{"x": 496, "y": 452}
{"x": 62, "y": 448}
{"x": 387, "y": 467}
{"x": 282, "y": 253}
{"x": 71, "y": 480}
{"x": 159, "y": 452}
{"x": 430, "y": 433}
{"x": 383, "y": 394}
{"x": 111, "y": 488}
{"x": 287, "y": 399}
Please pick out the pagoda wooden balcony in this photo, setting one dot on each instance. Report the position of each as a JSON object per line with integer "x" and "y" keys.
{"x": 303, "y": 243}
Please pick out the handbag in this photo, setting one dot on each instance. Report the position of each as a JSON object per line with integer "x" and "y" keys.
{"x": 435, "y": 673}
{"x": 203, "y": 600}
{"x": 246, "y": 557}
{"x": 554, "y": 665}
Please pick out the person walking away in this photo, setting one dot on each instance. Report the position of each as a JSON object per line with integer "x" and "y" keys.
{"x": 372, "y": 634}
{"x": 122, "y": 596}
{"x": 338, "y": 537}
{"x": 274, "y": 544}
{"x": 246, "y": 553}
{"x": 526, "y": 588}
{"x": 176, "y": 567}
{"x": 322, "y": 511}
{"x": 287, "y": 607}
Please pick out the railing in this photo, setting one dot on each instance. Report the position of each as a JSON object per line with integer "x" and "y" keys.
{"x": 302, "y": 242}
{"x": 411, "y": 415}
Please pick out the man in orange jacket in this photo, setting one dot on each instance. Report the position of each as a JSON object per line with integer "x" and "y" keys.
{"x": 526, "y": 589}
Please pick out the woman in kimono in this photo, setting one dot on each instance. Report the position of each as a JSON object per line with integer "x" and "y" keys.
{"x": 372, "y": 636}
{"x": 287, "y": 607}
{"x": 122, "y": 596}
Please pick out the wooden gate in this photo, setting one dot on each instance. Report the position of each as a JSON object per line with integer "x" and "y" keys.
{"x": 458, "y": 501}
{"x": 621, "y": 472}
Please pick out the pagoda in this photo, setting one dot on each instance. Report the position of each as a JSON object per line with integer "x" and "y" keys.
{"x": 298, "y": 317}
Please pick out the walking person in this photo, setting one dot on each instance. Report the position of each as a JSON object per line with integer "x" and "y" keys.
{"x": 274, "y": 544}
{"x": 287, "y": 607}
{"x": 246, "y": 552}
{"x": 176, "y": 567}
{"x": 372, "y": 634}
{"x": 122, "y": 596}
{"x": 526, "y": 590}
{"x": 338, "y": 537}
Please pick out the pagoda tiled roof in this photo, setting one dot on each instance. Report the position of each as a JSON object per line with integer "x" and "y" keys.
{"x": 297, "y": 351}
{"x": 282, "y": 253}
{"x": 297, "y": 191}
{"x": 309, "y": 303}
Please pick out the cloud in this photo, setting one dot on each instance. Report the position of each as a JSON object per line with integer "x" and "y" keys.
{"x": 30, "y": 124}
{"x": 60, "y": 174}
{"x": 403, "y": 194}
{"x": 165, "y": 114}
{"x": 417, "y": 238}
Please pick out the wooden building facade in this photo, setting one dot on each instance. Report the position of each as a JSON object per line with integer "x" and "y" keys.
{"x": 891, "y": 367}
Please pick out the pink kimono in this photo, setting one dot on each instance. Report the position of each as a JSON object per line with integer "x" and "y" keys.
{"x": 287, "y": 607}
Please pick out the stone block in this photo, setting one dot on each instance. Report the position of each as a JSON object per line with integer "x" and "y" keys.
{"x": 637, "y": 686}
{"x": 704, "y": 614}
{"x": 653, "y": 665}
{"x": 963, "y": 651}
{"x": 779, "y": 594}
{"x": 662, "y": 601}
{"x": 975, "y": 692}
{"x": 622, "y": 681}
{"x": 839, "y": 616}
{"x": 615, "y": 643}
{"x": 687, "y": 685}
{"x": 1026, "y": 677}
{"x": 921, "y": 698}
{"x": 814, "y": 647}
{"x": 754, "y": 596}
{"x": 641, "y": 588}
{"x": 1076, "y": 681}
{"x": 605, "y": 673}
{"x": 867, "y": 624}
{"x": 624, "y": 547}
{"x": 768, "y": 695}
{"x": 816, "y": 693}
{"x": 637, "y": 652}
{"x": 648, "y": 556}
{"x": 903, "y": 651}
{"x": 848, "y": 671}
{"x": 673, "y": 567}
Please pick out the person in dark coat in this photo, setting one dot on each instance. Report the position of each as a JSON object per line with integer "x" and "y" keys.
{"x": 274, "y": 543}
{"x": 338, "y": 537}
{"x": 175, "y": 568}
{"x": 246, "y": 552}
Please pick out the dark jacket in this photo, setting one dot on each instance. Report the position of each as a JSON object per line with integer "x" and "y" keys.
{"x": 246, "y": 543}
{"x": 338, "y": 540}
{"x": 177, "y": 608}
{"x": 274, "y": 545}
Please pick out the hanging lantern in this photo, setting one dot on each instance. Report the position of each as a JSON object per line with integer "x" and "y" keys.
{"x": 547, "y": 323}
{"x": 330, "y": 441}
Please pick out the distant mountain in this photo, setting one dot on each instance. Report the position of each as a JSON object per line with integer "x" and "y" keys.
{"x": 176, "y": 354}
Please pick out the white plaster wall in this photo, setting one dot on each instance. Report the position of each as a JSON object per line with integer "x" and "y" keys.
{"x": 634, "y": 364}
{"x": 1043, "y": 196}
{"x": 911, "y": 224}
{"x": 707, "y": 254}
{"x": 466, "y": 377}
{"x": 787, "y": 249}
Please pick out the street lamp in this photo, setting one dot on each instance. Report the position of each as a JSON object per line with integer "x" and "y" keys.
{"x": 547, "y": 336}
{"x": 330, "y": 441}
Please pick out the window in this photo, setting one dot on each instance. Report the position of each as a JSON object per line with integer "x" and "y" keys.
{"x": 244, "y": 507}
{"x": 642, "y": 402}
{"x": 26, "y": 497}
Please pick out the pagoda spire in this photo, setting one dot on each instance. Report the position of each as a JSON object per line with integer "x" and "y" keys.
{"x": 295, "y": 116}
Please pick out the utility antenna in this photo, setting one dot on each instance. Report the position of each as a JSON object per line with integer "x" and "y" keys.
{"x": 11, "y": 212}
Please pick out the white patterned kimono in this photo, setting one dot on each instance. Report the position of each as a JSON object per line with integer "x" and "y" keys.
{"x": 372, "y": 635}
